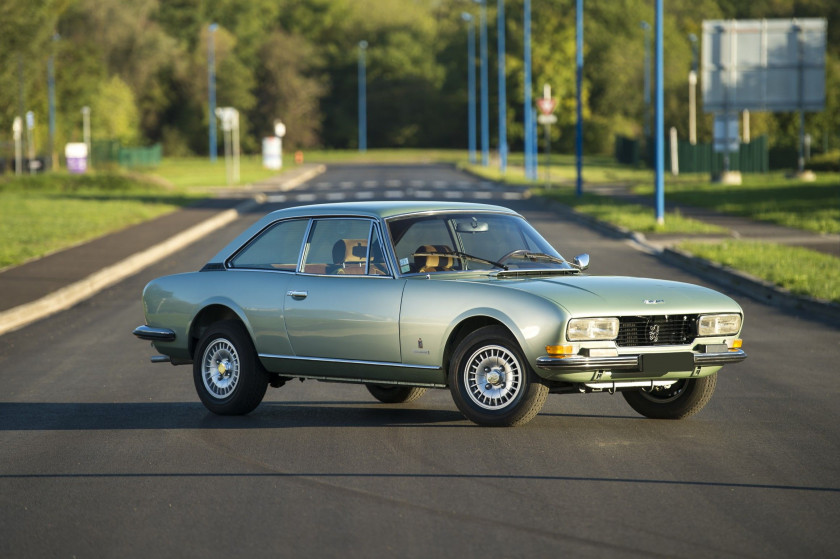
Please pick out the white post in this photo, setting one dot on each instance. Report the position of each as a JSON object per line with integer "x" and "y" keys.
{"x": 692, "y": 107}
{"x": 86, "y": 134}
{"x": 675, "y": 163}
{"x": 17, "y": 131}
{"x": 746, "y": 134}
{"x": 235, "y": 146}
{"x": 30, "y": 138}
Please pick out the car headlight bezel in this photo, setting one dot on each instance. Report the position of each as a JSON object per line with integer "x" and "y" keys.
{"x": 597, "y": 328}
{"x": 721, "y": 324}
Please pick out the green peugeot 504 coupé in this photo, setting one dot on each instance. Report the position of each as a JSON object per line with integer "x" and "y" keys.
{"x": 402, "y": 297}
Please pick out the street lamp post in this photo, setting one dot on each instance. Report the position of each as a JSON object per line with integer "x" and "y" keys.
{"x": 529, "y": 149}
{"x": 470, "y": 82}
{"x": 362, "y": 97}
{"x": 579, "y": 94}
{"x": 659, "y": 121}
{"x": 503, "y": 150}
{"x": 211, "y": 88}
{"x": 646, "y": 31}
{"x": 485, "y": 108}
{"x": 692, "y": 92}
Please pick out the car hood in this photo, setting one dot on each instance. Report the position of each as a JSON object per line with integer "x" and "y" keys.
{"x": 614, "y": 295}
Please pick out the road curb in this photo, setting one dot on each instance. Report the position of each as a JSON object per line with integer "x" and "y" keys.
{"x": 64, "y": 298}
{"x": 745, "y": 284}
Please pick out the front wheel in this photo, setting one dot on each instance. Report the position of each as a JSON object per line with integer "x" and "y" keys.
{"x": 228, "y": 376}
{"x": 391, "y": 394}
{"x": 678, "y": 401}
{"x": 491, "y": 382}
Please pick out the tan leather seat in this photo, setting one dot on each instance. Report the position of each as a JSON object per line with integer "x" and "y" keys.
{"x": 349, "y": 257}
{"x": 433, "y": 258}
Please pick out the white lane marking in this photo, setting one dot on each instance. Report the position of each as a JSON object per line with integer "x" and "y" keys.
{"x": 370, "y": 184}
{"x": 512, "y": 195}
{"x": 417, "y": 183}
{"x": 394, "y": 194}
{"x": 363, "y": 195}
{"x": 393, "y": 183}
{"x": 305, "y": 197}
{"x": 482, "y": 195}
{"x": 275, "y": 198}
{"x": 453, "y": 194}
{"x": 323, "y": 185}
{"x": 423, "y": 193}
{"x": 346, "y": 184}
{"x": 438, "y": 184}
{"x": 336, "y": 196}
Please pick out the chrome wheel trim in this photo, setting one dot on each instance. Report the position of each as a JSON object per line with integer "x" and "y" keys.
{"x": 493, "y": 377}
{"x": 665, "y": 394}
{"x": 220, "y": 368}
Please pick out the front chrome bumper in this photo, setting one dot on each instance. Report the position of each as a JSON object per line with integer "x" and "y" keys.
{"x": 636, "y": 363}
{"x": 154, "y": 334}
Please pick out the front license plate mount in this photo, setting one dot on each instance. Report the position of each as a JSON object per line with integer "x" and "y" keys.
{"x": 658, "y": 363}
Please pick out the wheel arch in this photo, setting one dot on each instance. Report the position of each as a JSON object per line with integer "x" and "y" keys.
{"x": 463, "y": 329}
{"x": 209, "y": 315}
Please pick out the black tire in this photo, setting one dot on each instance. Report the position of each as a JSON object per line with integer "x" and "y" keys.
{"x": 392, "y": 394}
{"x": 228, "y": 376}
{"x": 513, "y": 395}
{"x": 678, "y": 401}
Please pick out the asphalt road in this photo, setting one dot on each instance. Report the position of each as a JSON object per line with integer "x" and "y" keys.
{"x": 103, "y": 454}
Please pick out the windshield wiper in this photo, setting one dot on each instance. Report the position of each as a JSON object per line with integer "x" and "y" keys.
{"x": 544, "y": 256}
{"x": 479, "y": 259}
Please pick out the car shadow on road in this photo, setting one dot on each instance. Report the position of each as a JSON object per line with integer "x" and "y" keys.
{"x": 52, "y": 416}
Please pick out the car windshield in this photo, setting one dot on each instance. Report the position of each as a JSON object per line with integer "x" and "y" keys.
{"x": 448, "y": 242}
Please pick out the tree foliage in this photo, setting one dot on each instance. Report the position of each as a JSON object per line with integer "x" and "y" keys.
{"x": 142, "y": 67}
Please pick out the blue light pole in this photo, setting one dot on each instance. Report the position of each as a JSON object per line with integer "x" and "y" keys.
{"x": 485, "y": 108}
{"x": 659, "y": 120}
{"x": 470, "y": 82}
{"x": 579, "y": 102}
{"x": 503, "y": 149}
{"x": 526, "y": 23}
{"x": 211, "y": 88}
{"x": 646, "y": 29}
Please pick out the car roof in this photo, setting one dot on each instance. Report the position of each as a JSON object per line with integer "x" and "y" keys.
{"x": 381, "y": 209}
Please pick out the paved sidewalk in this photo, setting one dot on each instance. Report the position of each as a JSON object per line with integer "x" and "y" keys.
{"x": 740, "y": 227}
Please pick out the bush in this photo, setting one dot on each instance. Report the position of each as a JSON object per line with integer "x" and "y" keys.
{"x": 828, "y": 162}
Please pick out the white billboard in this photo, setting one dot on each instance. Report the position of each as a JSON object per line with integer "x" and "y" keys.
{"x": 774, "y": 65}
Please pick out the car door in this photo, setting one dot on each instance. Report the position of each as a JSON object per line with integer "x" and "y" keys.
{"x": 344, "y": 303}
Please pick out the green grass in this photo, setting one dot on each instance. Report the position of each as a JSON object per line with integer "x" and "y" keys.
{"x": 798, "y": 269}
{"x": 630, "y": 216}
{"x": 812, "y": 206}
{"x": 46, "y": 213}
{"x": 189, "y": 172}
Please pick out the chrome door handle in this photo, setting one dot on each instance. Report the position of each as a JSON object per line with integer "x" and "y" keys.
{"x": 297, "y": 294}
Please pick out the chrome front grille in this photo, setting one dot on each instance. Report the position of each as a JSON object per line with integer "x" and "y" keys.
{"x": 656, "y": 330}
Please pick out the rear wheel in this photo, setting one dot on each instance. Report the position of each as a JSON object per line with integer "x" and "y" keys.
{"x": 392, "y": 394}
{"x": 491, "y": 382}
{"x": 678, "y": 401}
{"x": 228, "y": 376}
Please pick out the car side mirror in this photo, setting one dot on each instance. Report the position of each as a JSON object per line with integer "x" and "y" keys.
{"x": 581, "y": 261}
